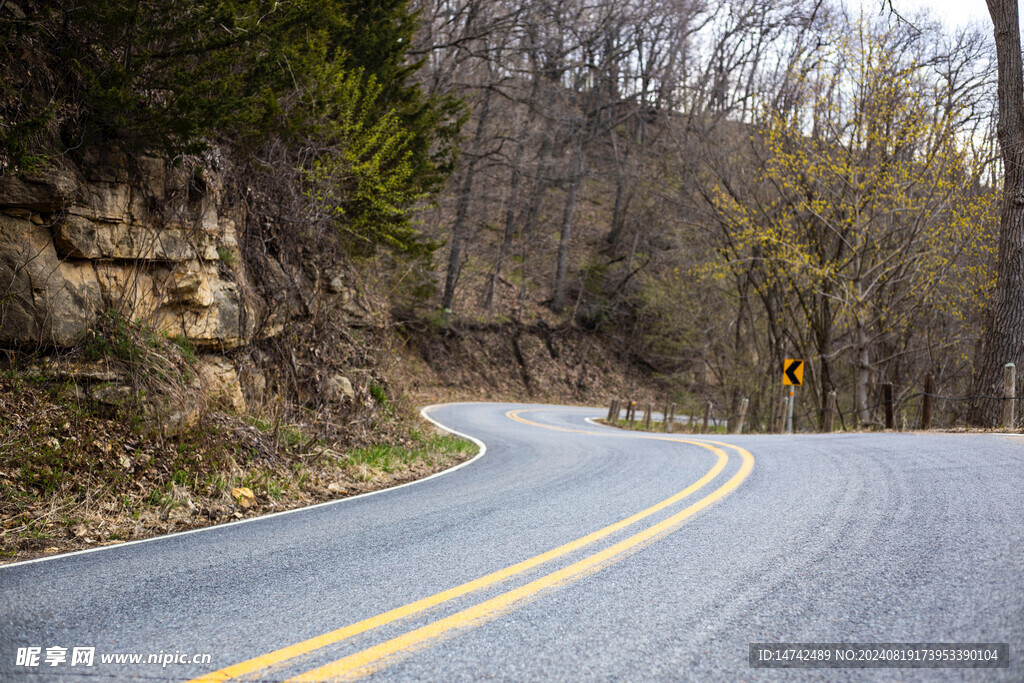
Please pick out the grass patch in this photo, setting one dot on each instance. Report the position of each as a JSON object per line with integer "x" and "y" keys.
{"x": 419, "y": 448}
{"x": 226, "y": 256}
{"x": 379, "y": 394}
{"x": 185, "y": 347}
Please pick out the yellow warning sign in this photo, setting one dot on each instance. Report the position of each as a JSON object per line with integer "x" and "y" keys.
{"x": 793, "y": 372}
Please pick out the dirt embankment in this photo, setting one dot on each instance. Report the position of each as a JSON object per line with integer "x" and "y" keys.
{"x": 509, "y": 361}
{"x": 71, "y": 478}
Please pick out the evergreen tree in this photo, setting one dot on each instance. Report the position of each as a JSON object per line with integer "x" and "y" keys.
{"x": 175, "y": 76}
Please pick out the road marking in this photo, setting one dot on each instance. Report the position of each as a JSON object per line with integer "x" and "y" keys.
{"x": 380, "y": 656}
{"x": 278, "y": 657}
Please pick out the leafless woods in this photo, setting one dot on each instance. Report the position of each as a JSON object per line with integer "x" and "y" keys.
{"x": 720, "y": 184}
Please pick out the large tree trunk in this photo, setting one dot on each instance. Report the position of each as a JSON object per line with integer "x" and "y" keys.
{"x": 618, "y": 217}
{"x": 1004, "y": 338}
{"x": 824, "y": 342}
{"x": 863, "y": 374}
{"x": 527, "y": 226}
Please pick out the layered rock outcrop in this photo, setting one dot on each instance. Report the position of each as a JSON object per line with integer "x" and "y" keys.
{"x": 154, "y": 243}
{"x": 159, "y": 245}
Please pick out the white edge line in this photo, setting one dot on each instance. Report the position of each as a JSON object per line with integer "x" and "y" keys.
{"x": 423, "y": 413}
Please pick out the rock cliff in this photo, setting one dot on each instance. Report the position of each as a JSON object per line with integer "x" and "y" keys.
{"x": 154, "y": 243}
{"x": 158, "y": 244}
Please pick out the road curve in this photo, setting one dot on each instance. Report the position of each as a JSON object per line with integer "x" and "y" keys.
{"x": 568, "y": 551}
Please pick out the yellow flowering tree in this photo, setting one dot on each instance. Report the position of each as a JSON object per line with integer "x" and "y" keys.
{"x": 869, "y": 221}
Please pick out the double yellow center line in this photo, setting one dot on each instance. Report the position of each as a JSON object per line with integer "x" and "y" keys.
{"x": 379, "y": 656}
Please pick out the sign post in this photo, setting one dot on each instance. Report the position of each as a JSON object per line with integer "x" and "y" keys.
{"x": 792, "y": 376}
{"x": 789, "y": 412}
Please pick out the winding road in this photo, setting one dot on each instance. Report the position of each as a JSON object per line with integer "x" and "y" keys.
{"x": 566, "y": 551}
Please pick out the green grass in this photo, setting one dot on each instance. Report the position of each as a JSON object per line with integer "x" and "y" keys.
{"x": 379, "y": 394}
{"x": 291, "y": 438}
{"x": 388, "y": 457}
{"x": 227, "y": 256}
{"x": 36, "y": 530}
{"x": 264, "y": 483}
{"x": 158, "y": 498}
{"x": 216, "y": 483}
{"x": 259, "y": 423}
{"x": 185, "y": 346}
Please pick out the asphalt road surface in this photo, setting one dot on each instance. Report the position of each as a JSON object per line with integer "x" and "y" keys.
{"x": 567, "y": 551}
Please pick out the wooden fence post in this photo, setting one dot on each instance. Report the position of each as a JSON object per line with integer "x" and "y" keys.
{"x": 611, "y": 410}
{"x": 890, "y": 419}
{"x": 830, "y": 412}
{"x": 647, "y": 417}
{"x": 632, "y": 413}
{"x": 1009, "y": 394}
{"x": 671, "y": 418}
{"x": 707, "y": 418}
{"x": 926, "y": 401}
{"x": 742, "y": 416}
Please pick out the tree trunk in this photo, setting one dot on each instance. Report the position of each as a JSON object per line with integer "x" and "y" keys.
{"x": 558, "y": 297}
{"x": 455, "y": 252}
{"x": 465, "y": 192}
{"x": 510, "y": 230}
{"x": 863, "y": 380}
{"x": 824, "y": 356}
{"x": 1004, "y": 338}
{"x": 618, "y": 217}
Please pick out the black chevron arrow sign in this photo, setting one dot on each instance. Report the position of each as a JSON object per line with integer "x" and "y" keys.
{"x": 793, "y": 372}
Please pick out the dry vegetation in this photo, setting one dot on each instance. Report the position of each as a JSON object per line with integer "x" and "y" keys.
{"x": 71, "y": 478}
{"x": 712, "y": 187}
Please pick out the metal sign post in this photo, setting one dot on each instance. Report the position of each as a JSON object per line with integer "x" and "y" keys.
{"x": 789, "y": 412}
{"x": 792, "y": 376}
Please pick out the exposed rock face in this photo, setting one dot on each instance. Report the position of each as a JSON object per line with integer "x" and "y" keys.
{"x": 221, "y": 382}
{"x": 149, "y": 244}
{"x": 40, "y": 191}
{"x": 43, "y": 298}
{"x": 158, "y": 245}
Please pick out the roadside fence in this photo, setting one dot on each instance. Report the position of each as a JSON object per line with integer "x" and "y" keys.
{"x": 888, "y": 404}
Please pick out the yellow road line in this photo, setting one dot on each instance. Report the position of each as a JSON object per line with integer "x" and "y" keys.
{"x": 515, "y": 415}
{"x": 278, "y": 657}
{"x": 380, "y": 656}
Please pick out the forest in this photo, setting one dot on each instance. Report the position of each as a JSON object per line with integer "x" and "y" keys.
{"x": 719, "y": 186}
{"x": 709, "y": 186}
